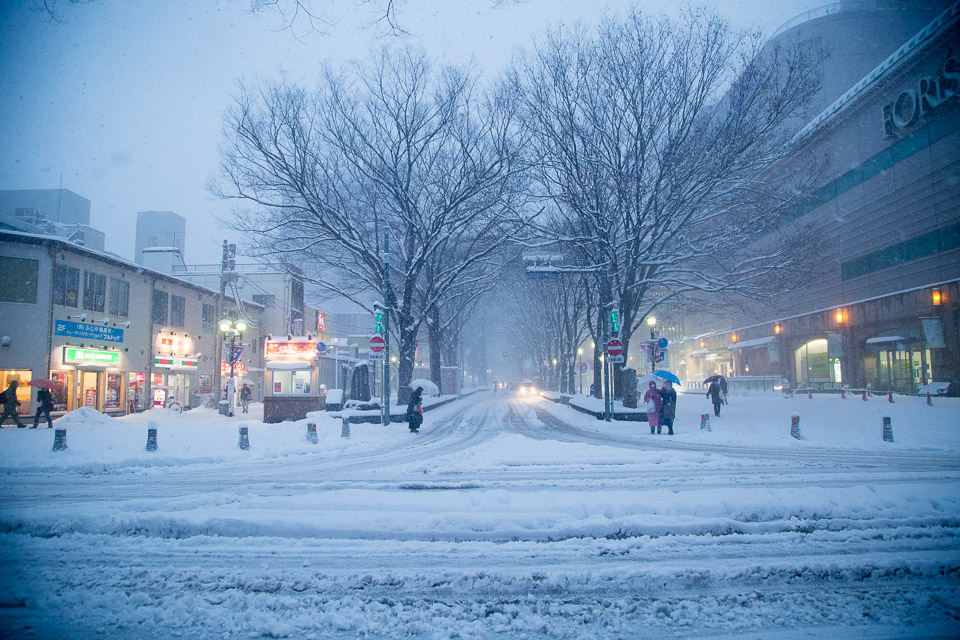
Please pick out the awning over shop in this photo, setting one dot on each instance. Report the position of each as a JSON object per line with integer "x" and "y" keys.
{"x": 887, "y": 339}
{"x": 698, "y": 353}
{"x": 757, "y": 343}
{"x": 289, "y": 365}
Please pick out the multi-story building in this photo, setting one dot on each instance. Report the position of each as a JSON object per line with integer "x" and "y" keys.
{"x": 881, "y": 308}
{"x": 55, "y": 212}
{"x": 159, "y": 229}
{"x": 116, "y": 336}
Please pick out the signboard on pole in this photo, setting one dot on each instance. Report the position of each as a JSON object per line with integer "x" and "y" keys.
{"x": 378, "y": 347}
{"x": 615, "y": 350}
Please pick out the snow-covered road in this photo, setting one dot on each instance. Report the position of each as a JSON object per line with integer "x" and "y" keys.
{"x": 504, "y": 517}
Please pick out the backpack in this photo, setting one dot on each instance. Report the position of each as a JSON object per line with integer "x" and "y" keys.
{"x": 3, "y": 397}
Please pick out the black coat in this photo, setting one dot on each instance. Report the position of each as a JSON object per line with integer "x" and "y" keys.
{"x": 45, "y": 399}
{"x": 413, "y": 408}
{"x": 714, "y": 392}
{"x": 668, "y": 410}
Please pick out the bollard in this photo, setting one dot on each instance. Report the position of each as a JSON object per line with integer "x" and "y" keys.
{"x": 929, "y": 401}
{"x": 312, "y": 432}
{"x": 244, "y": 436}
{"x": 890, "y": 397}
{"x": 887, "y": 429}
{"x": 152, "y": 435}
{"x": 705, "y": 422}
{"x": 345, "y": 427}
{"x": 795, "y": 427}
{"x": 864, "y": 395}
{"x": 809, "y": 394}
{"x": 59, "y": 439}
{"x": 843, "y": 394}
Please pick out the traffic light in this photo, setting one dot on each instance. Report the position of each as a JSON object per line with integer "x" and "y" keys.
{"x": 379, "y": 322}
{"x": 229, "y": 262}
{"x": 615, "y": 320}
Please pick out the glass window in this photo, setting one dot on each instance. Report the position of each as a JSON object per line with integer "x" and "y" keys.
{"x": 178, "y": 310}
{"x": 23, "y": 391}
{"x": 119, "y": 297}
{"x": 160, "y": 299}
{"x": 66, "y": 284}
{"x": 19, "y": 281}
{"x": 288, "y": 383}
{"x": 209, "y": 317}
{"x": 94, "y": 291}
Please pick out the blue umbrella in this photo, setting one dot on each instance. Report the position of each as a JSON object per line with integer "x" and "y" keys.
{"x": 666, "y": 375}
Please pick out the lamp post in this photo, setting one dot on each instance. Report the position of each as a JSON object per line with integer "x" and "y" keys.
{"x": 580, "y": 367}
{"x": 232, "y": 330}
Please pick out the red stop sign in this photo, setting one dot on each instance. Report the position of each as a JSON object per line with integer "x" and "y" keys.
{"x": 614, "y": 346}
{"x": 377, "y": 344}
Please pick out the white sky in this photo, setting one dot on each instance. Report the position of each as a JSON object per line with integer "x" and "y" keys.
{"x": 124, "y": 98}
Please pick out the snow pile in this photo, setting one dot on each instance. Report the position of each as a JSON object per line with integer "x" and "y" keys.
{"x": 84, "y": 417}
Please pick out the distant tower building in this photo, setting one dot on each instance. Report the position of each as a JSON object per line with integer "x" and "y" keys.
{"x": 159, "y": 229}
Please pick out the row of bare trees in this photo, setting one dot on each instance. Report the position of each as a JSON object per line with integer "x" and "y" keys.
{"x": 643, "y": 151}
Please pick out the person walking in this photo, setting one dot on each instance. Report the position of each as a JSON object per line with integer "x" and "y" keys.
{"x": 713, "y": 392}
{"x": 723, "y": 389}
{"x": 414, "y": 411}
{"x": 245, "y": 396}
{"x": 44, "y": 406}
{"x": 668, "y": 406}
{"x": 652, "y": 398}
{"x": 10, "y": 404}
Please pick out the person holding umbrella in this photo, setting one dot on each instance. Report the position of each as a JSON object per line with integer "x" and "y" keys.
{"x": 652, "y": 398}
{"x": 668, "y": 406}
{"x": 713, "y": 392}
{"x": 44, "y": 406}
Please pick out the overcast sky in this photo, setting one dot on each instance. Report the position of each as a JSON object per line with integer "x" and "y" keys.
{"x": 124, "y": 98}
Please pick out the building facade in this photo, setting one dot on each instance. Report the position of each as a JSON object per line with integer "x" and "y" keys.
{"x": 880, "y": 306}
{"x": 116, "y": 336}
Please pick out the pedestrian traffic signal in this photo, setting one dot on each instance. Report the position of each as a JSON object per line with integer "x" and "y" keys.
{"x": 379, "y": 322}
{"x": 615, "y": 320}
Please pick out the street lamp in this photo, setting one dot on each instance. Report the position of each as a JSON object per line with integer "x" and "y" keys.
{"x": 652, "y": 322}
{"x": 580, "y": 367}
{"x": 232, "y": 330}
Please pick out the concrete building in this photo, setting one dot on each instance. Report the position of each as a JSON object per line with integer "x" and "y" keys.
{"x": 159, "y": 229}
{"x": 882, "y": 307}
{"x": 117, "y": 336}
{"x": 55, "y": 212}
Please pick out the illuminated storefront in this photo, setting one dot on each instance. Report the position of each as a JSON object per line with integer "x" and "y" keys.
{"x": 291, "y": 385}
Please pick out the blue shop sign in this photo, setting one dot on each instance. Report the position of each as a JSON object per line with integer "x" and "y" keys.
{"x": 89, "y": 331}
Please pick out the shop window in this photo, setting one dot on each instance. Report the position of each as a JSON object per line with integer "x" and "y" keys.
{"x": 814, "y": 363}
{"x": 94, "y": 291}
{"x": 178, "y": 311}
{"x": 111, "y": 400}
{"x": 66, "y": 285}
{"x": 61, "y": 393}
{"x": 119, "y": 297}
{"x": 209, "y": 314}
{"x": 160, "y": 299}
{"x": 22, "y": 376}
{"x": 19, "y": 281}
{"x": 287, "y": 383}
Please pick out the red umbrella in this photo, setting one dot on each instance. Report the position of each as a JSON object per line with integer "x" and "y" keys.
{"x": 43, "y": 383}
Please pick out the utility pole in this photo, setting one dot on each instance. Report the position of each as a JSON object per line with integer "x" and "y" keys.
{"x": 218, "y": 350}
{"x": 607, "y": 366}
{"x": 385, "y": 418}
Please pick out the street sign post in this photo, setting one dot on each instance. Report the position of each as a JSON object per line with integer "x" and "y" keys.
{"x": 377, "y": 347}
{"x": 615, "y": 350}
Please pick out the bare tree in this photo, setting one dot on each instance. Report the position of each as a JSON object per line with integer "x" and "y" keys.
{"x": 391, "y": 150}
{"x": 655, "y": 140}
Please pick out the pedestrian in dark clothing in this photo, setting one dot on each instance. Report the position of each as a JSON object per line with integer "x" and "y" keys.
{"x": 10, "y": 404}
{"x": 713, "y": 392}
{"x": 45, "y": 405}
{"x": 652, "y": 398}
{"x": 723, "y": 389}
{"x": 668, "y": 406}
{"x": 245, "y": 396}
{"x": 414, "y": 411}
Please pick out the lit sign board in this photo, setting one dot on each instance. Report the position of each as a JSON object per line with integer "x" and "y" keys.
{"x": 72, "y": 355}
{"x": 306, "y": 348}
{"x": 88, "y": 331}
{"x": 321, "y": 322}
{"x": 171, "y": 362}
{"x": 240, "y": 367}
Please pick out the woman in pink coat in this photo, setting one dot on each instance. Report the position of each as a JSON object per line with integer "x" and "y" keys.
{"x": 652, "y": 398}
